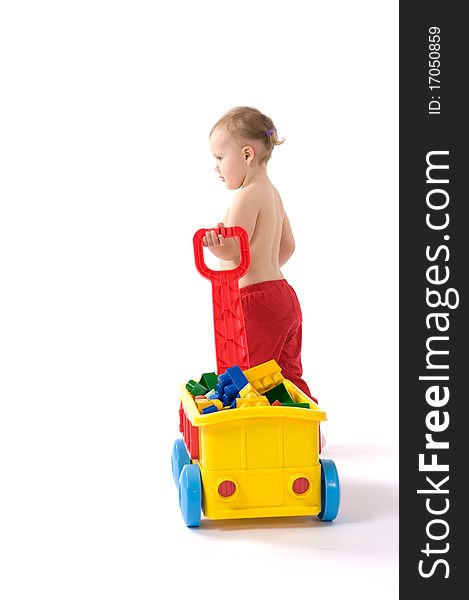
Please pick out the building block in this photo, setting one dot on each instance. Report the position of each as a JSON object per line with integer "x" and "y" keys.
{"x": 201, "y": 404}
{"x": 249, "y": 402}
{"x": 248, "y": 391}
{"x": 237, "y": 377}
{"x": 199, "y": 390}
{"x": 209, "y": 380}
{"x": 223, "y": 379}
{"x": 297, "y": 404}
{"x": 276, "y": 403}
{"x": 209, "y": 409}
{"x": 190, "y": 384}
{"x": 264, "y": 377}
{"x": 196, "y": 389}
{"x": 279, "y": 392}
{"x": 230, "y": 390}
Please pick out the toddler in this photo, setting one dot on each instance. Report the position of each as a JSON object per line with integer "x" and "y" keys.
{"x": 242, "y": 142}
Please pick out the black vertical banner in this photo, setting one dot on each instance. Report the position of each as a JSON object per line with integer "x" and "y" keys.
{"x": 434, "y": 254}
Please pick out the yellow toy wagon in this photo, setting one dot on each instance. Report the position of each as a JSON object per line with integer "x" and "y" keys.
{"x": 250, "y": 446}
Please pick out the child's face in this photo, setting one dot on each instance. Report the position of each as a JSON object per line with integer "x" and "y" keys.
{"x": 231, "y": 161}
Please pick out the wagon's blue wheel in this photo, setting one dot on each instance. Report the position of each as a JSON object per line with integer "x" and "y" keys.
{"x": 330, "y": 490}
{"x": 190, "y": 494}
{"x": 179, "y": 458}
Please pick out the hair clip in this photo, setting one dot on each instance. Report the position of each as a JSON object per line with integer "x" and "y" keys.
{"x": 269, "y": 132}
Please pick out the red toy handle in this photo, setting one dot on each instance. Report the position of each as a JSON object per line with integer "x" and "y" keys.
{"x": 227, "y": 232}
{"x": 228, "y": 319}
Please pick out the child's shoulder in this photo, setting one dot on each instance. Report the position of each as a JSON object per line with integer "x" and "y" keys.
{"x": 256, "y": 194}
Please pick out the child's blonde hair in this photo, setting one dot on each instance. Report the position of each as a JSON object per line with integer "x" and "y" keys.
{"x": 247, "y": 123}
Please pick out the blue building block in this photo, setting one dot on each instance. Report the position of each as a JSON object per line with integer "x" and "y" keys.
{"x": 224, "y": 379}
{"x": 209, "y": 409}
{"x": 237, "y": 377}
{"x": 230, "y": 390}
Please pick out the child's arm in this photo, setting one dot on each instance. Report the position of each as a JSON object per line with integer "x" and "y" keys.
{"x": 223, "y": 248}
{"x": 243, "y": 212}
{"x": 287, "y": 242}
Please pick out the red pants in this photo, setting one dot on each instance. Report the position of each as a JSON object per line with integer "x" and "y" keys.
{"x": 272, "y": 317}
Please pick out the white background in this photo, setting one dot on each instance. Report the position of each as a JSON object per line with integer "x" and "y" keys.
{"x": 105, "y": 176}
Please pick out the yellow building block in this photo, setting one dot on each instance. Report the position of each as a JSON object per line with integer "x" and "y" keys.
{"x": 249, "y": 391}
{"x": 255, "y": 401}
{"x": 201, "y": 404}
{"x": 264, "y": 377}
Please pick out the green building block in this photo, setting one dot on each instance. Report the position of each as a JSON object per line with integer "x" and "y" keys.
{"x": 195, "y": 388}
{"x": 297, "y": 404}
{"x": 280, "y": 393}
{"x": 190, "y": 384}
{"x": 199, "y": 390}
{"x": 209, "y": 380}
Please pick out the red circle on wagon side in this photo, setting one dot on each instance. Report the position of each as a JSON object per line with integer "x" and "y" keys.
{"x": 226, "y": 489}
{"x": 300, "y": 485}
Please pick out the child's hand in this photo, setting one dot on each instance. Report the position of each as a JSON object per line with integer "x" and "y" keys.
{"x": 212, "y": 240}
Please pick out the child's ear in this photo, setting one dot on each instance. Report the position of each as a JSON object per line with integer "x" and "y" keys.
{"x": 248, "y": 153}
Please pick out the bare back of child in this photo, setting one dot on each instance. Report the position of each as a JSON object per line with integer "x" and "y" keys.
{"x": 259, "y": 209}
